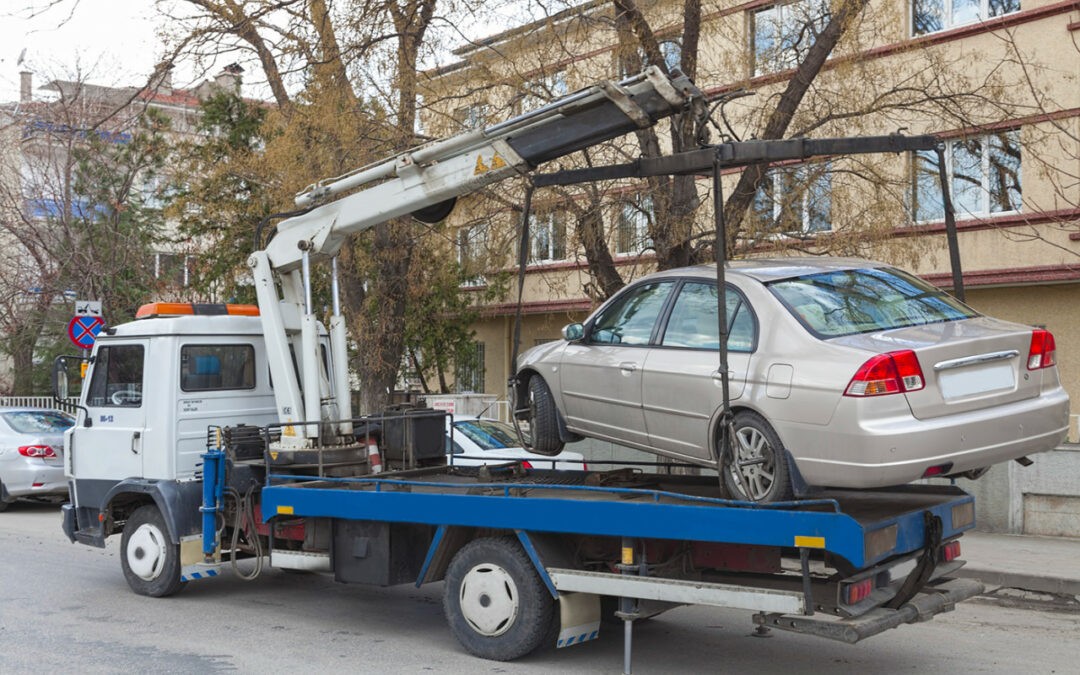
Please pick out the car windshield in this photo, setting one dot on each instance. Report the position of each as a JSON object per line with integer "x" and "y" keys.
{"x": 845, "y": 302}
{"x": 34, "y": 422}
{"x": 487, "y": 434}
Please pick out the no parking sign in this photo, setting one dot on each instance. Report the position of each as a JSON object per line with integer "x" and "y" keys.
{"x": 83, "y": 330}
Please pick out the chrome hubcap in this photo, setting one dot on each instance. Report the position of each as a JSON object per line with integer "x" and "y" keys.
{"x": 146, "y": 552}
{"x": 489, "y": 599}
{"x": 754, "y": 460}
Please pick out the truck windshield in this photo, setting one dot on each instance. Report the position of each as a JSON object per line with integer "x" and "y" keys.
{"x": 488, "y": 435}
{"x": 845, "y": 302}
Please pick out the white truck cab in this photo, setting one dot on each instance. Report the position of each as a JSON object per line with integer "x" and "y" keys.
{"x": 153, "y": 388}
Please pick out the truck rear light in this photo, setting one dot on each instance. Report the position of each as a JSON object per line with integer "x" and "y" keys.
{"x": 889, "y": 373}
{"x": 938, "y": 470}
{"x": 37, "y": 451}
{"x": 858, "y": 590}
{"x": 950, "y": 551}
{"x": 1043, "y": 352}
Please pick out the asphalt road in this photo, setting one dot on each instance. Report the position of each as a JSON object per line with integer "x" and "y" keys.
{"x": 66, "y": 607}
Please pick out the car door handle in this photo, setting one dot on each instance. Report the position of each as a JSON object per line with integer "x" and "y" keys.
{"x": 628, "y": 366}
{"x": 134, "y": 439}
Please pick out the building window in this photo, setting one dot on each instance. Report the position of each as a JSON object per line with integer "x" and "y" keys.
{"x": 469, "y": 372}
{"x": 783, "y": 33}
{"x": 543, "y": 90}
{"x": 984, "y": 175}
{"x": 173, "y": 269}
{"x": 548, "y": 234}
{"x": 632, "y": 227}
{"x": 472, "y": 253}
{"x": 794, "y": 200}
{"x": 930, "y": 16}
{"x": 473, "y": 116}
{"x": 671, "y": 51}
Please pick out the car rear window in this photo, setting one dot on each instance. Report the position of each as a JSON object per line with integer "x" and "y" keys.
{"x": 33, "y": 422}
{"x": 845, "y": 302}
{"x": 488, "y": 435}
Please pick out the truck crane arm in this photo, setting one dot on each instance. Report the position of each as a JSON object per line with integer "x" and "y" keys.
{"x": 425, "y": 182}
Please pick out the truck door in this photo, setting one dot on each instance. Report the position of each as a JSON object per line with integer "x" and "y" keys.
{"x": 111, "y": 449}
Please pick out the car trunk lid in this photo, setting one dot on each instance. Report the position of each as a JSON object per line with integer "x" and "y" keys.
{"x": 967, "y": 365}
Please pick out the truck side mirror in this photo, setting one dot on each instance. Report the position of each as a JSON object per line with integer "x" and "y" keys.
{"x": 60, "y": 379}
{"x": 573, "y": 332}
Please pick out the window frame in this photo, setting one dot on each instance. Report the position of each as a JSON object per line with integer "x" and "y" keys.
{"x": 254, "y": 367}
{"x": 643, "y": 210}
{"x": 985, "y": 195}
{"x": 792, "y": 173}
{"x": 472, "y": 240}
{"x": 545, "y": 221}
{"x": 666, "y": 317}
{"x": 947, "y": 17}
{"x": 778, "y": 10}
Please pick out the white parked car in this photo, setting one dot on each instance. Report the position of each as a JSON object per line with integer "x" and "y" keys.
{"x": 478, "y": 441}
{"x": 32, "y": 454}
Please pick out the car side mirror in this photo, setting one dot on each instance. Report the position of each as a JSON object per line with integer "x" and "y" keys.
{"x": 573, "y": 332}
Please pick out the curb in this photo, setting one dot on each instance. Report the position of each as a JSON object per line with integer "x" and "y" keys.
{"x": 1029, "y": 582}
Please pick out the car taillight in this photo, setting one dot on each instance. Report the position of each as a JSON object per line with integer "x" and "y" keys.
{"x": 526, "y": 464}
{"x": 889, "y": 373}
{"x": 859, "y": 590}
{"x": 938, "y": 470}
{"x": 37, "y": 451}
{"x": 1043, "y": 352}
{"x": 584, "y": 466}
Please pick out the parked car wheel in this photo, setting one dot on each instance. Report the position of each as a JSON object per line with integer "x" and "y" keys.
{"x": 3, "y": 504}
{"x": 150, "y": 561}
{"x": 761, "y": 459}
{"x": 543, "y": 418}
{"x": 495, "y": 602}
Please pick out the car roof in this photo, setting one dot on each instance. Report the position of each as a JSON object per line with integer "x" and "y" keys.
{"x": 770, "y": 269}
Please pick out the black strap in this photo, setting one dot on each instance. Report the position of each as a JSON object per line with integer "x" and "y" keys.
{"x": 927, "y": 562}
{"x": 523, "y": 261}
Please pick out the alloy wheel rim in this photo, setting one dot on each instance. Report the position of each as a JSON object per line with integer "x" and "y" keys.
{"x": 752, "y": 446}
{"x": 489, "y": 599}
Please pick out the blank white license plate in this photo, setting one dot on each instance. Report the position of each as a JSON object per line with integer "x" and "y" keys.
{"x": 969, "y": 381}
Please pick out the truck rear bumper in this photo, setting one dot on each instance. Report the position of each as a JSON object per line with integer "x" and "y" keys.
{"x": 933, "y": 600}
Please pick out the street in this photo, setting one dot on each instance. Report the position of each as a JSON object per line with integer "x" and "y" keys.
{"x": 66, "y": 607}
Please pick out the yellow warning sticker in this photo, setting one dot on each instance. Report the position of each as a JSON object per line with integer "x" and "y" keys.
{"x": 273, "y": 456}
{"x": 497, "y": 162}
{"x": 284, "y": 510}
{"x": 627, "y": 555}
{"x": 480, "y": 166}
{"x": 288, "y": 431}
{"x": 810, "y": 542}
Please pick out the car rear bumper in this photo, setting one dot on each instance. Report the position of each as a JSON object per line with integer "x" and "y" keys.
{"x": 32, "y": 478}
{"x": 899, "y": 449}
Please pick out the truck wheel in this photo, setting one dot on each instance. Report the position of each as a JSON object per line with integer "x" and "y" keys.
{"x": 151, "y": 562}
{"x": 495, "y": 602}
{"x": 543, "y": 418}
{"x": 762, "y": 461}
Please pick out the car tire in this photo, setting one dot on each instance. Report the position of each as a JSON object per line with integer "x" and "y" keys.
{"x": 495, "y": 601}
{"x": 543, "y": 419}
{"x": 768, "y": 478}
{"x": 151, "y": 561}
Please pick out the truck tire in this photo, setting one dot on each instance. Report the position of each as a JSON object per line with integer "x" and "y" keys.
{"x": 756, "y": 440}
{"x": 151, "y": 562}
{"x": 495, "y": 602}
{"x": 543, "y": 418}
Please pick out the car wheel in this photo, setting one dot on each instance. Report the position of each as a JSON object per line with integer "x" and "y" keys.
{"x": 543, "y": 418}
{"x": 495, "y": 602}
{"x": 3, "y": 504}
{"x": 760, "y": 458}
{"x": 151, "y": 562}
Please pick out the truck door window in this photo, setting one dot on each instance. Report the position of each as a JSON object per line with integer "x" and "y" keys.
{"x": 217, "y": 367}
{"x": 118, "y": 377}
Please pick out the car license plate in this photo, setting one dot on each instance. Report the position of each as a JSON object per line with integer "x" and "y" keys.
{"x": 968, "y": 381}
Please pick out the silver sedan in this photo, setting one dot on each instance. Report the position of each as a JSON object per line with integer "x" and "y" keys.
{"x": 32, "y": 454}
{"x": 843, "y": 373}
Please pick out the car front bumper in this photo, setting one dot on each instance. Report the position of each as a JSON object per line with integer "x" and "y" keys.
{"x": 898, "y": 449}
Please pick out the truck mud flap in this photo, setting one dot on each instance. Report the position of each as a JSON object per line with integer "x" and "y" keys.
{"x": 934, "y": 599}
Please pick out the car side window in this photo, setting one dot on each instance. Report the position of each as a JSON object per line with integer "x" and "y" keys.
{"x": 631, "y": 318}
{"x": 693, "y": 321}
{"x": 118, "y": 377}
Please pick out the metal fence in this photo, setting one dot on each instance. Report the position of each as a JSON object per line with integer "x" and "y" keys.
{"x": 38, "y": 402}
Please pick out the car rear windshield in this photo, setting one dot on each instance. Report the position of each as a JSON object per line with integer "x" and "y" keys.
{"x": 32, "y": 422}
{"x": 845, "y": 302}
{"x": 488, "y": 435}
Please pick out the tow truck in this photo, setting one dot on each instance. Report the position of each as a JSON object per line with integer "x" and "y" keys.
{"x": 211, "y": 434}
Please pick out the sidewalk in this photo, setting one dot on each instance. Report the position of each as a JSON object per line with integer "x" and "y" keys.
{"x": 1046, "y": 564}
